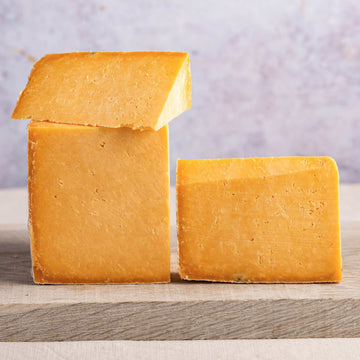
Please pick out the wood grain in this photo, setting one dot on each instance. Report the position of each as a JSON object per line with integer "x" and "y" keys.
{"x": 176, "y": 311}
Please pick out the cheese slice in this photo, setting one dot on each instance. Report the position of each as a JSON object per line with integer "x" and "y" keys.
{"x": 98, "y": 204}
{"x": 139, "y": 90}
{"x": 259, "y": 220}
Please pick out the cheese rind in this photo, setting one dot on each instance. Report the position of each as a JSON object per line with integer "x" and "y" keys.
{"x": 98, "y": 204}
{"x": 259, "y": 220}
{"x": 139, "y": 90}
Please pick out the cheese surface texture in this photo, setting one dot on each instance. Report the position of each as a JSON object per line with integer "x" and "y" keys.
{"x": 98, "y": 204}
{"x": 259, "y": 220}
{"x": 139, "y": 90}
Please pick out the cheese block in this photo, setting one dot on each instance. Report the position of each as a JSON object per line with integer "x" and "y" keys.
{"x": 139, "y": 90}
{"x": 98, "y": 204}
{"x": 261, "y": 220}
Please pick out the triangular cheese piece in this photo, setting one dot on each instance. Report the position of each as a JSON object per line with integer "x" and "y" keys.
{"x": 140, "y": 90}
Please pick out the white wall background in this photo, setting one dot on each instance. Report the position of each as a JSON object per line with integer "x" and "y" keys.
{"x": 270, "y": 77}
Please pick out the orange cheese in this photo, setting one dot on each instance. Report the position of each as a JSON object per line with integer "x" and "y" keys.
{"x": 140, "y": 90}
{"x": 99, "y": 204}
{"x": 259, "y": 220}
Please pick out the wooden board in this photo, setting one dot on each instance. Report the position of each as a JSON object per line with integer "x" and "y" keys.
{"x": 176, "y": 311}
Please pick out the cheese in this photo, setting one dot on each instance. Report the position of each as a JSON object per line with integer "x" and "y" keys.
{"x": 259, "y": 220}
{"x": 98, "y": 204}
{"x": 139, "y": 90}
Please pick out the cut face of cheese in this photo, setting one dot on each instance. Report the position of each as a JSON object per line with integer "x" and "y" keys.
{"x": 259, "y": 220}
{"x": 99, "y": 204}
{"x": 139, "y": 90}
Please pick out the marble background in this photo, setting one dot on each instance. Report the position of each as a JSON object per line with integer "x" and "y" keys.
{"x": 270, "y": 77}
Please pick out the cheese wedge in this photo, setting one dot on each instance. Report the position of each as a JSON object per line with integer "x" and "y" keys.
{"x": 98, "y": 204}
{"x": 259, "y": 220}
{"x": 139, "y": 90}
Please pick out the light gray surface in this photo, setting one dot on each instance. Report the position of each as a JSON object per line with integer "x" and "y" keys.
{"x": 270, "y": 77}
{"x": 294, "y": 349}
